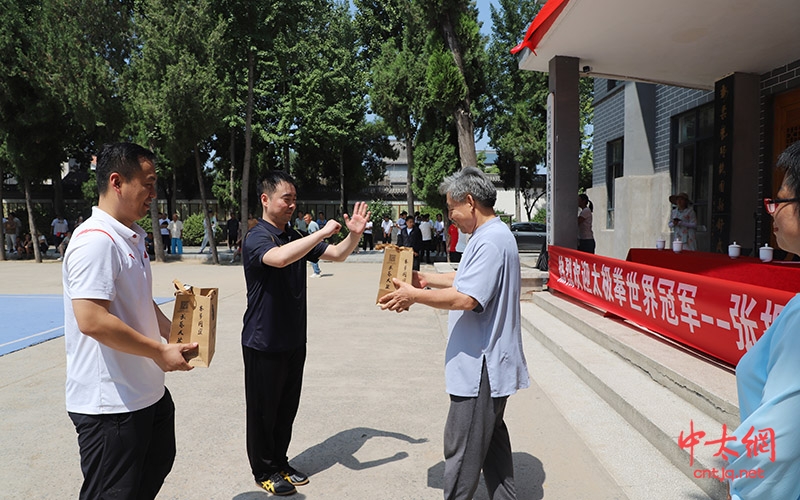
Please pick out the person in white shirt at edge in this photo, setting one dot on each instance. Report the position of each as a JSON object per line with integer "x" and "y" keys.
{"x": 386, "y": 226}
{"x": 484, "y": 360}
{"x": 115, "y": 338}
{"x": 366, "y": 239}
{"x": 313, "y": 227}
{"x": 426, "y": 228}
{"x": 60, "y": 227}
{"x": 438, "y": 228}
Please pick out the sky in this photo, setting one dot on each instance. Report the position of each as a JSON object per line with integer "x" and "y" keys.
{"x": 484, "y": 14}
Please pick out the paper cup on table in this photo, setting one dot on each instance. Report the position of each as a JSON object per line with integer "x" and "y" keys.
{"x": 765, "y": 253}
{"x": 734, "y": 250}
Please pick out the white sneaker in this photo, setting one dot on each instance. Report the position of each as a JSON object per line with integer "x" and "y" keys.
{"x": 315, "y": 275}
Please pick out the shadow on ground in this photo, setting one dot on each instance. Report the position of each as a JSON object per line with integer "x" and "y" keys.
{"x": 342, "y": 447}
{"x": 528, "y": 475}
{"x": 263, "y": 495}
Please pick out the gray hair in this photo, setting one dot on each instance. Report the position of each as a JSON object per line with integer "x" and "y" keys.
{"x": 469, "y": 180}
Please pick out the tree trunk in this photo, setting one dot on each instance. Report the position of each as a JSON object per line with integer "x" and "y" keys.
{"x": 462, "y": 113}
{"x": 233, "y": 168}
{"x": 342, "y": 194}
{"x": 466, "y": 135}
{"x": 410, "y": 174}
{"x": 248, "y": 138}
{"x": 158, "y": 243}
{"x": 2, "y": 228}
{"x": 58, "y": 195}
{"x": 172, "y": 199}
{"x": 200, "y": 182}
{"x": 517, "y": 183}
{"x": 31, "y": 222}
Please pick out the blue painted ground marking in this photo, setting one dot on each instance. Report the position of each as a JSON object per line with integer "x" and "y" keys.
{"x": 27, "y": 320}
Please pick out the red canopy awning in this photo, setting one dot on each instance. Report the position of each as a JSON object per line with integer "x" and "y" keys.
{"x": 540, "y": 25}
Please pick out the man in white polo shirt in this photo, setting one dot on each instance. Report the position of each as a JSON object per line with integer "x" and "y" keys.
{"x": 114, "y": 331}
{"x": 484, "y": 361}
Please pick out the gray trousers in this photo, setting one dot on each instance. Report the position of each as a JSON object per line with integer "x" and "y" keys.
{"x": 475, "y": 438}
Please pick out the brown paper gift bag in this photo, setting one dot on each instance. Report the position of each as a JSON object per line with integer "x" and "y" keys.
{"x": 194, "y": 319}
{"x": 398, "y": 262}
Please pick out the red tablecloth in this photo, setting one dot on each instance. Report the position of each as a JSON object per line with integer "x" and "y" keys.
{"x": 776, "y": 275}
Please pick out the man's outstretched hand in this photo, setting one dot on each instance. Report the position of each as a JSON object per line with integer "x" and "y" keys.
{"x": 358, "y": 222}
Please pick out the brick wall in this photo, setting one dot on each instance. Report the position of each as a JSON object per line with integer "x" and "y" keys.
{"x": 609, "y": 114}
{"x": 609, "y": 124}
{"x": 671, "y": 101}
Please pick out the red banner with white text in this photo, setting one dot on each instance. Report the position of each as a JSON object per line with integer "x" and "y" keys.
{"x": 718, "y": 317}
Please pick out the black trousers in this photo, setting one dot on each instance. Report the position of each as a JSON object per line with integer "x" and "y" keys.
{"x": 425, "y": 254}
{"x": 272, "y": 383}
{"x": 367, "y": 241}
{"x": 586, "y": 245}
{"x": 126, "y": 455}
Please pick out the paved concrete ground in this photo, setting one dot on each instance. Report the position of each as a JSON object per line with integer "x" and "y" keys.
{"x": 371, "y": 415}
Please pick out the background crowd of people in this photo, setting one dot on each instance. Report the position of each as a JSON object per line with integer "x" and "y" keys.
{"x": 430, "y": 239}
{"x": 20, "y": 244}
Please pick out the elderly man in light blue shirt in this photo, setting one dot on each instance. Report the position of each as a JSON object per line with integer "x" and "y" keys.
{"x": 484, "y": 361}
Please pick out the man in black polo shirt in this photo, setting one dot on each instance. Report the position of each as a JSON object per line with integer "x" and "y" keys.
{"x": 274, "y": 333}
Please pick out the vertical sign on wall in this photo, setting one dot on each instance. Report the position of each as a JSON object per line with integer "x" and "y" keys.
{"x": 723, "y": 165}
{"x": 549, "y": 158}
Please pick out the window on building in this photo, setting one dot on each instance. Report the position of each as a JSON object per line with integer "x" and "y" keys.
{"x": 612, "y": 84}
{"x": 692, "y": 164}
{"x": 613, "y": 171}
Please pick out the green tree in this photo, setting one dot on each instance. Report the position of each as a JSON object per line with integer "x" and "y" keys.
{"x": 330, "y": 99}
{"x": 178, "y": 84}
{"x": 59, "y": 69}
{"x": 32, "y": 117}
{"x": 436, "y": 157}
{"x": 378, "y": 208}
{"x": 262, "y": 33}
{"x": 455, "y": 83}
{"x": 517, "y": 113}
{"x": 586, "y": 158}
{"x": 394, "y": 39}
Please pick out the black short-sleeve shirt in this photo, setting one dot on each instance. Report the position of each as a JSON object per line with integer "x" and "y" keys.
{"x": 275, "y": 319}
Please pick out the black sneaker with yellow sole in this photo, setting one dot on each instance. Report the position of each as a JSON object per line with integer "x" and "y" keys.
{"x": 278, "y": 485}
{"x": 294, "y": 476}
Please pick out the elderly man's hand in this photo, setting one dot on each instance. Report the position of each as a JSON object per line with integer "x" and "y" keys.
{"x": 358, "y": 223}
{"x": 401, "y": 299}
{"x": 418, "y": 280}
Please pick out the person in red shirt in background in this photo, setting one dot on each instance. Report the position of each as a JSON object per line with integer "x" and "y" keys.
{"x": 452, "y": 236}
